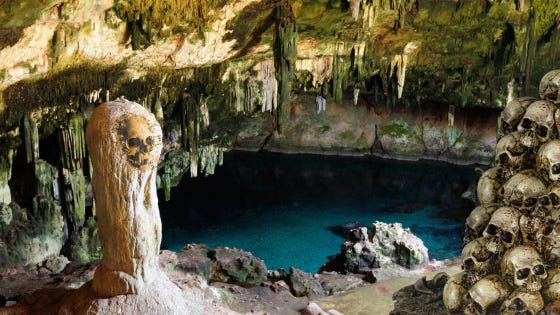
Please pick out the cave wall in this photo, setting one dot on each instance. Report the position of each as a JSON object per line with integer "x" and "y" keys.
{"x": 402, "y": 78}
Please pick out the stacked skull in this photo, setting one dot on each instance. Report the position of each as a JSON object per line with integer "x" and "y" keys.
{"x": 511, "y": 253}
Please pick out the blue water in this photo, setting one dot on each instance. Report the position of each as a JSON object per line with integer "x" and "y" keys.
{"x": 285, "y": 209}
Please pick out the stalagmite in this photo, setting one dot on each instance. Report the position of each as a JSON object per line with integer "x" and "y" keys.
{"x": 125, "y": 142}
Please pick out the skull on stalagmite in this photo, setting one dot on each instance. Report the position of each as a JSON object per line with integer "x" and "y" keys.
{"x": 502, "y": 230}
{"x": 511, "y": 155}
{"x": 522, "y": 303}
{"x": 523, "y": 268}
{"x": 513, "y": 112}
{"x": 522, "y": 191}
{"x": 476, "y": 259}
{"x": 549, "y": 87}
{"x": 124, "y": 142}
{"x": 455, "y": 293}
{"x": 538, "y": 124}
{"x": 477, "y": 221}
{"x": 487, "y": 294}
{"x": 548, "y": 161}
{"x": 138, "y": 142}
{"x": 489, "y": 186}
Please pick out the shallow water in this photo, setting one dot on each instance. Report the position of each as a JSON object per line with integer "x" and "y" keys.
{"x": 286, "y": 209}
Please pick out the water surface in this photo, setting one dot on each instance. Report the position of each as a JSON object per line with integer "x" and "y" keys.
{"x": 285, "y": 209}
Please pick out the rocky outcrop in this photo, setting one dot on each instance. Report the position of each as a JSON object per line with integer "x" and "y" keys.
{"x": 305, "y": 284}
{"x": 387, "y": 246}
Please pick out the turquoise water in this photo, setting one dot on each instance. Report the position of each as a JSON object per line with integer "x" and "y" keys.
{"x": 285, "y": 209}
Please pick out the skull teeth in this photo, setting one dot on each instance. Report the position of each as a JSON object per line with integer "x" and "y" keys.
{"x": 533, "y": 287}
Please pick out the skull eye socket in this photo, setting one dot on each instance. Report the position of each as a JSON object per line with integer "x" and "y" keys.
{"x": 538, "y": 270}
{"x": 469, "y": 264}
{"x": 149, "y": 141}
{"x": 542, "y": 131}
{"x": 507, "y": 237}
{"x": 503, "y": 158}
{"x": 526, "y": 123}
{"x": 555, "y": 169}
{"x": 547, "y": 230}
{"x": 554, "y": 199}
{"x": 516, "y": 203}
{"x": 529, "y": 202}
{"x": 492, "y": 229}
{"x": 544, "y": 200}
{"x": 518, "y": 304}
{"x": 133, "y": 142}
{"x": 522, "y": 274}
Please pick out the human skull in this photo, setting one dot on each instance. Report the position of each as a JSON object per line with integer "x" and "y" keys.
{"x": 523, "y": 268}
{"x": 550, "y": 245}
{"x": 552, "y": 289}
{"x": 139, "y": 142}
{"x": 454, "y": 293}
{"x": 548, "y": 161}
{"x": 550, "y": 201}
{"x": 522, "y": 303}
{"x": 538, "y": 124}
{"x": 511, "y": 154}
{"x": 485, "y": 295}
{"x": 476, "y": 260}
{"x": 502, "y": 230}
{"x": 477, "y": 221}
{"x": 534, "y": 229}
{"x": 522, "y": 191}
{"x": 513, "y": 112}
{"x": 549, "y": 87}
{"x": 489, "y": 186}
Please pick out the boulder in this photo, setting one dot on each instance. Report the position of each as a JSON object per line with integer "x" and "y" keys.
{"x": 304, "y": 284}
{"x": 234, "y": 265}
{"x": 387, "y": 246}
{"x": 194, "y": 258}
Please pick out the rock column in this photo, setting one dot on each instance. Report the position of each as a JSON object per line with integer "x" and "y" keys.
{"x": 124, "y": 141}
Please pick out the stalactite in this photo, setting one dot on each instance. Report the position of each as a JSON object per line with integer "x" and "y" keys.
{"x": 204, "y": 113}
{"x": 72, "y": 143}
{"x": 339, "y": 73}
{"x": 6, "y": 158}
{"x": 31, "y": 135}
{"x": 451, "y": 124}
{"x": 355, "y": 8}
{"x": 285, "y": 53}
{"x": 267, "y": 75}
{"x": 47, "y": 190}
{"x": 239, "y": 92}
{"x": 74, "y": 197}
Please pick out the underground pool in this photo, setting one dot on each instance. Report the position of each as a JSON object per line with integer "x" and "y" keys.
{"x": 288, "y": 209}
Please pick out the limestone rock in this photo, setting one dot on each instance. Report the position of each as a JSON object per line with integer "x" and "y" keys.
{"x": 333, "y": 282}
{"x": 387, "y": 246}
{"x": 304, "y": 284}
{"x": 194, "y": 258}
{"x": 233, "y": 265}
{"x": 124, "y": 142}
{"x": 56, "y": 263}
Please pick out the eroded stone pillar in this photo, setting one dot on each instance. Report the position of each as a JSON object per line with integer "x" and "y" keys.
{"x": 124, "y": 141}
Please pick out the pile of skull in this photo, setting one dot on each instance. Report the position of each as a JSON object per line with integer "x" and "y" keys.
{"x": 511, "y": 256}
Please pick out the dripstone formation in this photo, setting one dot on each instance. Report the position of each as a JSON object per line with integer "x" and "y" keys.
{"x": 124, "y": 142}
{"x": 511, "y": 253}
